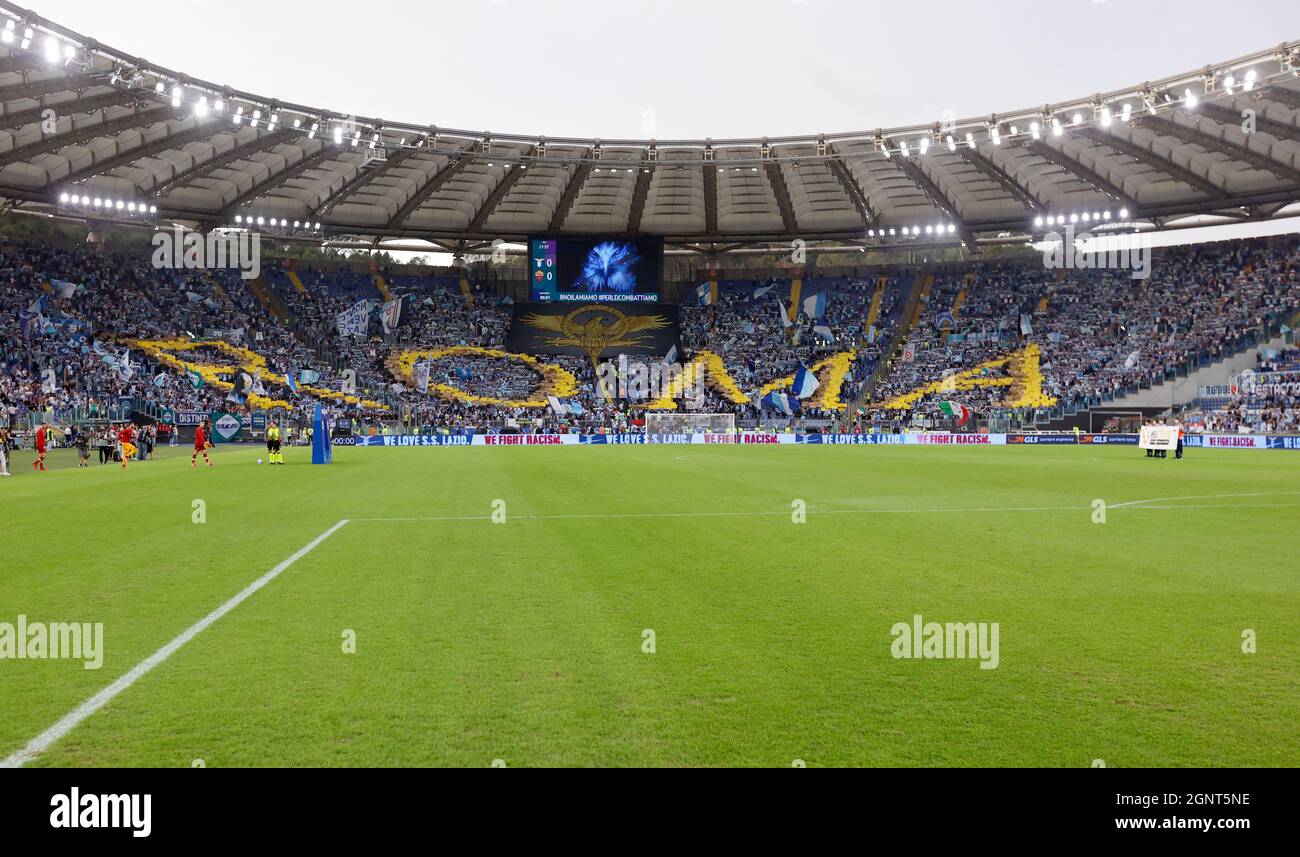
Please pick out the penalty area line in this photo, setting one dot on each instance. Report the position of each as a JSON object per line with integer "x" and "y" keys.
{"x": 73, "y": 719}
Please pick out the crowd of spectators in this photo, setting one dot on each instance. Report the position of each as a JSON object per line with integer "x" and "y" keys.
{"x": 751, "y": 335}
{"x": 1265, "y": 400}
{"x": 71, "y": 311}
{"x": 1099, "y": 333}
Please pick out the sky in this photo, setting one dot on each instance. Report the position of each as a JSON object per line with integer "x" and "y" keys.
{"x": 675, "y": 69}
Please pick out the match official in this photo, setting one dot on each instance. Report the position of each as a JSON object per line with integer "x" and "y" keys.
{"x": 273, "y": 454}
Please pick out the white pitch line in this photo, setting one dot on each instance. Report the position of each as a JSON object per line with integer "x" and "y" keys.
{"x": 1214, "y": 506}
{"x": 781, "y": 513}
{"x": 1205, "y": 497}
{"x": 70, "y": 721}
{"x": 785, "y": 512}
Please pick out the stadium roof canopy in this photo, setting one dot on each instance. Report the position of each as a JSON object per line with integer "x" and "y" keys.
{"x": 89, "y": 131}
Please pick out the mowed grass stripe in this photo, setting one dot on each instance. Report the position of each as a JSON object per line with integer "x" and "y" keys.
{"x": 522, "y": 641}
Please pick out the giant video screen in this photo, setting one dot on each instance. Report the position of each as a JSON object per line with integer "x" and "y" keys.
{"x": 596, "y": 269}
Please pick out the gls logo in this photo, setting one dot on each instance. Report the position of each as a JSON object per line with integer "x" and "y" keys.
{"x": 134, "y": 812}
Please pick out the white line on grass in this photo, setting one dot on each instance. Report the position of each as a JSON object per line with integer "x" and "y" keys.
{"x": 1205, "y": 497}
{"x": 1135, "y": 505}
{"x": 1214, "y": 506}
{"x": 47, "y": 739}
{"x": 781, "y": 513}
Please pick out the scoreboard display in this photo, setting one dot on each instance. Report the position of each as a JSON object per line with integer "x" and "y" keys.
{"x": 596, "y": 269}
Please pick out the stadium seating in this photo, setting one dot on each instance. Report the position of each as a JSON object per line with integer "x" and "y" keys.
{"x": 1266, "y": 409}
{"x": 1098, "y": 334}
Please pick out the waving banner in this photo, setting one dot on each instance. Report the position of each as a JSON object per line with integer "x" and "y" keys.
{"x": 391, "y": 315}
{"x": 355, "y": 320}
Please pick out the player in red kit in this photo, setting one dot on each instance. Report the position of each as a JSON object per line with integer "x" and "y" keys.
{"x": 126, "y": 438}
{"x": 42, "y": 441}
{"x": 201, "y": 444}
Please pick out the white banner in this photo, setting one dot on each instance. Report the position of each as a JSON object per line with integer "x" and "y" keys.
{"x": 782, "y": 438}
{"x": 1228, "y": 441}
{"x": 391, "y": 316}
{"x": 354, "y": 320}
{"x": 1158, "y": 437}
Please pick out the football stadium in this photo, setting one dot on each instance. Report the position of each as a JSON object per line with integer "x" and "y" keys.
{"x": 333, "y": 441}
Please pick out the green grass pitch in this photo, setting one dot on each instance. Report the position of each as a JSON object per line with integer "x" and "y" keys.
{"x": 522, "y": 641}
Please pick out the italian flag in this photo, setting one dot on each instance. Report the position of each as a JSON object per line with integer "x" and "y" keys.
{"x": 960, "y": 412}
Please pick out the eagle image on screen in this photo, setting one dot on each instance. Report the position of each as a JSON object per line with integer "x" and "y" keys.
{"x": 600, "y": 268}
{"x": 610, "y": 267}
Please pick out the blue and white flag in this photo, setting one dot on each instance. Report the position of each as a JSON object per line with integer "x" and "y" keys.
{"x": 785, "y": 316}
{"x": 762, "y": 291}
{"x": 1026, "y": 325}
{"x": 814, "y": 306}
{"x": 37, "y": 306}
{"x": 781, "y": 402}
{"x": 805, "y": 383}
{"x": 557, "y": 407}
{"x": 66, "y": 289}
{"x": 391, "y": 315}
{"x": 124, "y": 368}
{"x": 704, "y": 292}
{"x": 31, "y": 324}
{"x": 824, "y": 332}
{"x": 747, "y": 327}
{"x": 160, "y": 379}
{"x": 872, "y": 333}
{"x": 243, "y": 383}
{"x": 308, "y": 376}
{"x": 420, "y": 375}
{"x": 291, "y": 382}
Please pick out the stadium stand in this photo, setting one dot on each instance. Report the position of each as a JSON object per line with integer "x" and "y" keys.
{"x": 1099, "y": 334}
{"x": 133, "y": 145}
